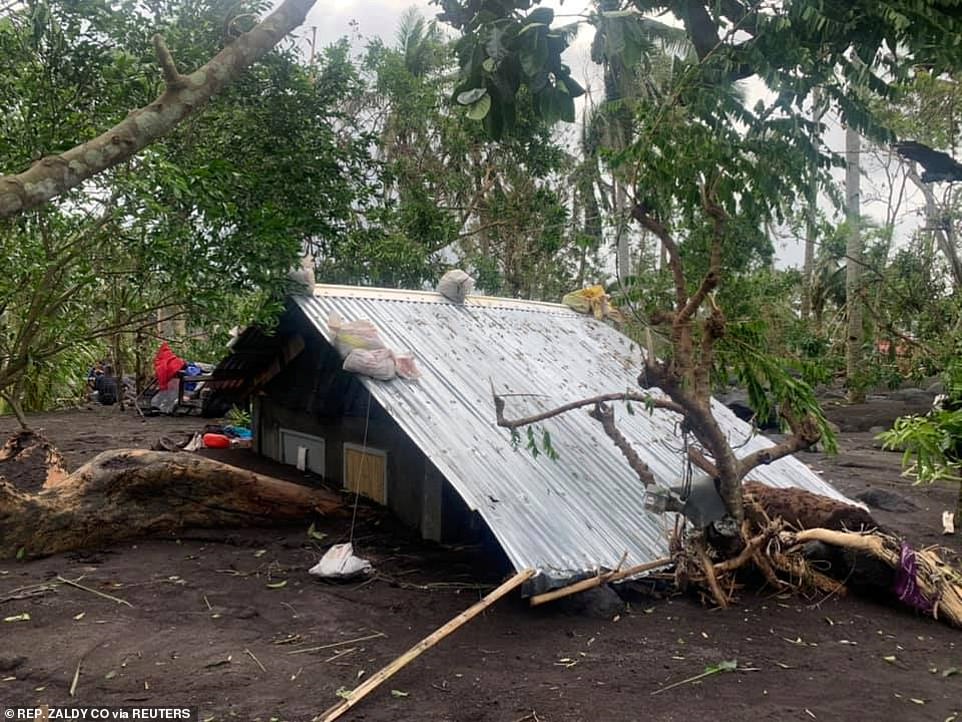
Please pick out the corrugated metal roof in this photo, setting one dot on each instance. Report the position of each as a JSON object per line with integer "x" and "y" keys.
{"x": 564, "y": 517}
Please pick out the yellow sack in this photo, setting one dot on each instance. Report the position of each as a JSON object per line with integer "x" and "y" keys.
{"x": 591, "y": 300}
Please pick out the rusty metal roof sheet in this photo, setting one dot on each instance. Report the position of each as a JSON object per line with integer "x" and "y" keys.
{"x": 564, "y": 517}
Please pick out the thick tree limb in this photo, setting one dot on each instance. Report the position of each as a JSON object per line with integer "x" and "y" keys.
{"x": 606, "y": 416}
{"x": 182, "y": 95}
{"x": 674, "y": 257}
{"x": 168, "y": 67}
{"x": 805, "y": 433}
{"x": 654, "y": 401}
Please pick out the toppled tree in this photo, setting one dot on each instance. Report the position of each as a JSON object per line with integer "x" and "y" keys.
{"x": 708, "y": 174}
{"x": 126, "y": 494}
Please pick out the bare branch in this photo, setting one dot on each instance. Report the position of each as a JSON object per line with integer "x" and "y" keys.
{"x": 699, "y": 459}
{"x": 606, "y": 416}
{"x": 640, "y": 214}
{"x": 54, "y": 175}
{"x": 805, "y": 432}
{"x": 166, "y": 61}
{"x": 658, "y": 403}
{"x": 713, "y": 276}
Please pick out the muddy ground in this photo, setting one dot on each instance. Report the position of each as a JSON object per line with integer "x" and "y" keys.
{"x": 207, "y": 624}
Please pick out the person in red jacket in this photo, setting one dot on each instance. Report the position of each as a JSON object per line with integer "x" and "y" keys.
{"x": 166, "y": 366}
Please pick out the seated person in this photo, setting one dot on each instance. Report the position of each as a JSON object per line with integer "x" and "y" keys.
{"x": 106, "y": 387}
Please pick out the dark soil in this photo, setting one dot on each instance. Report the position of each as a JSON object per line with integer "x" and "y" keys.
{"x": 202, "y": 611}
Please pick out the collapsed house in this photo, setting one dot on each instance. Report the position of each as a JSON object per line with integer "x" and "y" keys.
{"x": 430, "y": 449}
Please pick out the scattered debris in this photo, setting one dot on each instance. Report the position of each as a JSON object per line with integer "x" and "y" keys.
{"x": 71, "y": 583}
{"x": 948, "y": 522}
{"x": 76, "y": 678}
{"x": 596, "y": 581}
{"x": 256, "y": 660}
{"x": 340, "y": 563}
{"x": 728, "y": 665}
{"x": 332, "y": 645}
{"x": 362, "y": 690}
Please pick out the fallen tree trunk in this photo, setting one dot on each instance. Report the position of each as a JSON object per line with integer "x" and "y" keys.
{"x": 129, "y": 493}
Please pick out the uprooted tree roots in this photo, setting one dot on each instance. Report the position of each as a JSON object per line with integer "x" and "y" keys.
{"x": 802, "y": 542}
{"x": 127, "y": 493}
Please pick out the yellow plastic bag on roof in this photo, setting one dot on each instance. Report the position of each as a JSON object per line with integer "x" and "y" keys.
{"x": 591, "y": 300}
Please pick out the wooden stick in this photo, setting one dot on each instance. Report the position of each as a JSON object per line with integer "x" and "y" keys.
{"x": 376, "y": 635}
{"x": 111, "y": 597}
{"x": 256, "y": 660}
{"x": 597, "y": 581}
{"x": 365, "y": 688}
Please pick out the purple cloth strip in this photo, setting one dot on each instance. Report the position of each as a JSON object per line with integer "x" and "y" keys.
{"x": 906, "y": 586}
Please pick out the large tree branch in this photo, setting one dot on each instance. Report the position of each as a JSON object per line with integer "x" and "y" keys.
{"x": 805, "y": 432}
{"x": 182, "y": 95}
{"x": 648, "y": 399}
{"x": 649, "y": 222}
{"x": 606, "y": 416}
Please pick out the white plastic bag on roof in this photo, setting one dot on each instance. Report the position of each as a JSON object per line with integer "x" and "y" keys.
{"x": 382, "y": 364}
{"x": 378, "y": 364}
{"x": 353, "y": 335}
{"x": 456, "y": 285}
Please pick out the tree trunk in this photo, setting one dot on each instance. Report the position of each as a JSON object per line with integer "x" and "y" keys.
{"x": 183, "y": 94}
{"x": 811, "y": 215}
{"x": 13, "y": 401}
{"x": 853, "y": 265}
{"x": 938, "y": 229}
{"x": 129, "y": 493}
{"x": 622, "y": 237}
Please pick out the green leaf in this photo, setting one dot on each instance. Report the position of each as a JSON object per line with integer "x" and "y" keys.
{"x": 277, "y": 585}
{"x": 480, "y": 108}
{"x": 398, "y": 693}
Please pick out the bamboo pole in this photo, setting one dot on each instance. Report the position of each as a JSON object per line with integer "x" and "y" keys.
{"x": 597, "y": 581}
{"x": 365, "y": 688}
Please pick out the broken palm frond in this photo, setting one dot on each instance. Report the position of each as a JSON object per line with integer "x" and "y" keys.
{"x": 365, "y": 688}
{"x": 597, "y": 581}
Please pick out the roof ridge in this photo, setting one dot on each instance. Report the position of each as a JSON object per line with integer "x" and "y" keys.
{"x": 433, "y": 297}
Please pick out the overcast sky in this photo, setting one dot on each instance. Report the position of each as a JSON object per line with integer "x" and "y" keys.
{"x": 335, "y": 19}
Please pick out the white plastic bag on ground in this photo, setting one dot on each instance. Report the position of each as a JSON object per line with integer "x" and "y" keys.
{"x": 456, "y": 285}
{"x": 353, "y": 335}
{"x": 339, "y": 562}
